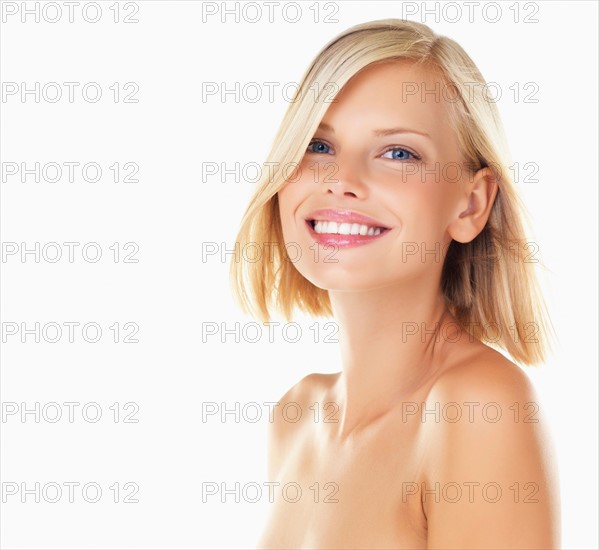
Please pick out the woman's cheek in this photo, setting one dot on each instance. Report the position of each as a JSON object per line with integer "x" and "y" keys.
{"x": 289, "y": 202}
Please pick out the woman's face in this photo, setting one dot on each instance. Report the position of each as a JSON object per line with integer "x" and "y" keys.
{"x": 357, "y": 165}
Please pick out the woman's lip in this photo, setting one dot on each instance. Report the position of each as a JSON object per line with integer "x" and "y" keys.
{"x": 344, "y": 216}
{"x": 342, "y": 241}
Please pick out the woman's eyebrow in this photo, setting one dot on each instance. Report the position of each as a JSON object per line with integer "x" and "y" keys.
{"x": 390, "y": 131}
{"x": 379, "y": 133}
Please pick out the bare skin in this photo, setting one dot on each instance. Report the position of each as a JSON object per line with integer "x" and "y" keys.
{"x": 476, "y": 471}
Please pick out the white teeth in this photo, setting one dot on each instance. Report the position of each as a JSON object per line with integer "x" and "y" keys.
{"x": 345, "y": 228}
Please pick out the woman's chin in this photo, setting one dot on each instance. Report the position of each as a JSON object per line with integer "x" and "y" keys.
{"x": 342, "y": 280}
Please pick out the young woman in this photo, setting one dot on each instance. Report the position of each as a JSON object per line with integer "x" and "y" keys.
{"x": 392, "y": 210}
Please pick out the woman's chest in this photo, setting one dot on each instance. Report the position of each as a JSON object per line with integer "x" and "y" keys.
{"x": 351, "y": 495}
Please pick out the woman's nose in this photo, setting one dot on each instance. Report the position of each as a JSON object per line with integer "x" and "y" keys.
{"x": 343, "y": 177}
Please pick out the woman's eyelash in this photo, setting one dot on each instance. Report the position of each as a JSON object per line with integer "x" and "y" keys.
{"x": 315, "y": 141}
{"x": 393, "y": 148}
{"x": 396, "y": 148}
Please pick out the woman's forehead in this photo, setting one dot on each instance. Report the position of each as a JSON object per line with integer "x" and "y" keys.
{"x": 399, "y": 93}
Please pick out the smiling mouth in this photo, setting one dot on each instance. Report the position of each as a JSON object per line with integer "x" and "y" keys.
{"x": 323, "y": 227}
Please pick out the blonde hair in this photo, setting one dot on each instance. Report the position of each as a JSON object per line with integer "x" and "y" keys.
{"x": 486, "y": 281}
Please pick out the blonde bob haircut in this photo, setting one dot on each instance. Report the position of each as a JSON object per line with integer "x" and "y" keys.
{"x": 489, "y": 283}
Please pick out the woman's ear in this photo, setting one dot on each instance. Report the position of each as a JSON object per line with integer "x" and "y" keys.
{"x": 474, "y": 208}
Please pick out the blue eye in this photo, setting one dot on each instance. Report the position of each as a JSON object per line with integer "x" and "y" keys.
{"x": 403, "y": 154}
{"x": 320, "y": 144}
{"x": 398, "y": 153}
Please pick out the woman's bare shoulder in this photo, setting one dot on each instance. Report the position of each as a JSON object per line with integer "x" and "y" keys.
{"x": 486, "y": 431}
{"x": 482, "y": 374}
{"x": 309, "y": 387}
{"x": 291, "y": 421}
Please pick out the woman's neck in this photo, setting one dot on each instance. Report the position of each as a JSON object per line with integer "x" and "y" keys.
{"x": 391, "y": 339}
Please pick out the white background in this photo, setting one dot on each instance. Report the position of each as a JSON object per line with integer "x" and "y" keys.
{"x": 170, "y": 292}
